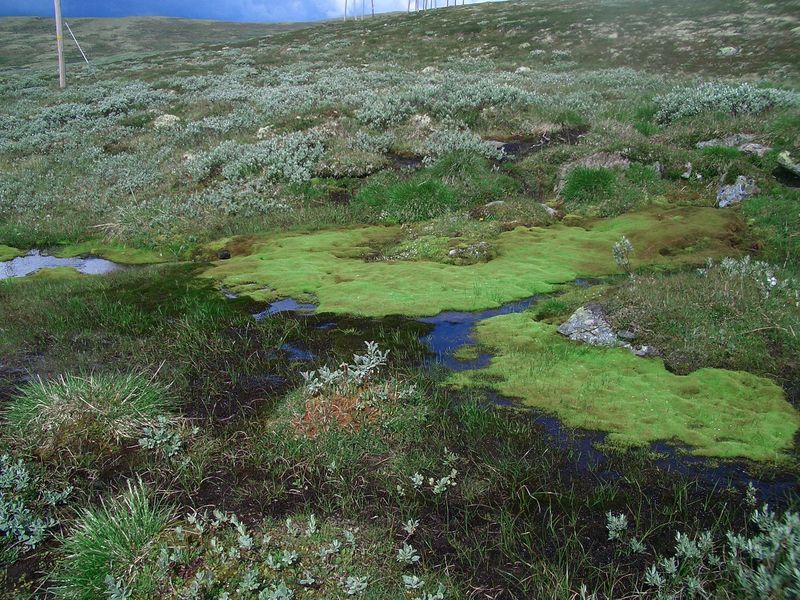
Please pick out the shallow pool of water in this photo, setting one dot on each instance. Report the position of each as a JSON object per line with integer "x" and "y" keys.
{"x": 454, "y": 330}
{"x": 35, "y": 261}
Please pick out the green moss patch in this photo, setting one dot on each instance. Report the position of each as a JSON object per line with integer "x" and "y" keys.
{"x": 7, "y": 253}
{"x": 332, "y": 266}
{"x": 718, "y": 413}
{"x": 114, "y": 252}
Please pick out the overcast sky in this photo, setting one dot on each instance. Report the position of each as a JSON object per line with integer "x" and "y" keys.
{"x": 229, "y": 10}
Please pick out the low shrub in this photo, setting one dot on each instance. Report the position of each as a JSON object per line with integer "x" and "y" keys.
{"x": 720, "y": 97}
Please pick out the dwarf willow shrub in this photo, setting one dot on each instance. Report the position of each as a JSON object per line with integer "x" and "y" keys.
{"x": 109, "y": 545}
{"x": 26, "y": 506}
{"x": 761, "y": 564}
{"x": 739, "y": 99}
{"x": 291, "y": 157}
{"x": 460, "y": 141}
{"x": 97, "y": 411}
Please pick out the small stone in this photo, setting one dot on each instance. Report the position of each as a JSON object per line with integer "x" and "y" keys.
{"x": 552, "y": 212}
{"x": 729, "y": 51}
{"x": 430, "y": 69}
{"x": 523, "y": 70}
{"x": 688, "y": 171}
{"x": 739, "y": 191}
{"x": 223, "y": 254}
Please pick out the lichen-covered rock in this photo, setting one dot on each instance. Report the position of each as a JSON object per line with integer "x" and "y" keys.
{"x": 743, "y": 142}
{"x": 755, "y": 149}
{"x": 588, "y": 324}
{"x": 730, "y": 141}
{"x": 785, "y": 160}
{"x": 739, "y": 191}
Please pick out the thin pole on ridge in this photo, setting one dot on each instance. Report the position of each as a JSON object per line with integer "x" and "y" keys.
{"x": 62, "y": 71}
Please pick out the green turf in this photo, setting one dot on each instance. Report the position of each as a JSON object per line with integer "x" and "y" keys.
{"x": 718, "y": 413}
{"x": 113, "y": 252}
{"x": 330, "y": 265}
{"x": 7, "y": 252}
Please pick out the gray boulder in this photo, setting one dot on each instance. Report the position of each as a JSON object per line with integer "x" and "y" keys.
{"x": 730, "y": 141}
{"x": 785, "y": 160}
{"x": 739, "y": 191}
{"x": 588, "y": 324}
{"x": 741, "y": 141}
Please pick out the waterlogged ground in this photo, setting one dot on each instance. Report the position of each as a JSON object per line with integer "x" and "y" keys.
{"x": 333, "y": 266}
{"x": 278, "y": 319}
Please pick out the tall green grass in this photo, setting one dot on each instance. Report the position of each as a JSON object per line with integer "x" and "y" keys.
{"x": 108, "y": 543}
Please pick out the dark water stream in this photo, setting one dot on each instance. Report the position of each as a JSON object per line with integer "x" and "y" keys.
{"x": 452, "y": 331}
{"x": 36, "y": 261}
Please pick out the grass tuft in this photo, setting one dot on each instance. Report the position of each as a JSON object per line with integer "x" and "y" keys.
{"x": 107, "y": 544}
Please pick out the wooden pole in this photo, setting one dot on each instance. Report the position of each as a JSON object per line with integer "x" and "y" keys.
{"x": 62, "y": 72}
{"x": 345, "y": 10}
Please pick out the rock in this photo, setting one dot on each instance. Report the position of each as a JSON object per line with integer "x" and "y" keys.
{"x": 523, "y": 70}
{"x": 166, "y": 121}
{"x": 785, "y": 160}
{"x": 739, "y": 191}
{"x": 627, "y": 335}
{"x": 598, "y": 160}
{"x": 688, "y": 171}
{"x": 223, "y": 254}
{"x": 729, "y": 51}
{"x": 589, "y": 325}
{"x": 552, "y": 212}
{"x": 658, "y": 168}
{"x": 731, "y": 141}
{"x": 472, "y": 252}
{"x": 741, "y": 141}
{"x": 430, "y": 69}
{"x": 755, "y": 149}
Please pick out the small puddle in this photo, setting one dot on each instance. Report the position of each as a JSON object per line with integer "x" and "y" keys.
{"x": 35, "y": 261}
{"x": 287, "y": 305}
{"x": 454, "y": 330}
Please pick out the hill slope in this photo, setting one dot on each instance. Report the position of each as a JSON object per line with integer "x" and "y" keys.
{"x": 30, "y": 41}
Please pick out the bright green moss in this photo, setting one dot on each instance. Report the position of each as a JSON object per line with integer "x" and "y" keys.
{"x": 113, "y": 252}
{"x": 718, "y": 413}
{"x": 331, "y": 266}
{"x": 7, "y": 253}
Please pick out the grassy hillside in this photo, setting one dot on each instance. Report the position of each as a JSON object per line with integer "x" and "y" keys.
{"x": 564, "y": 156}
{"x": 30, "y": 41}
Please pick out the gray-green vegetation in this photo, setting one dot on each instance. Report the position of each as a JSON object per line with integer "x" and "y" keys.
{"x": 157, "y": 441}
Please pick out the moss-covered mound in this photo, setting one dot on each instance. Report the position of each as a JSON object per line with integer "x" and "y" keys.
{"x": 717, "y": 412}
{"x": 331, "y": 266}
